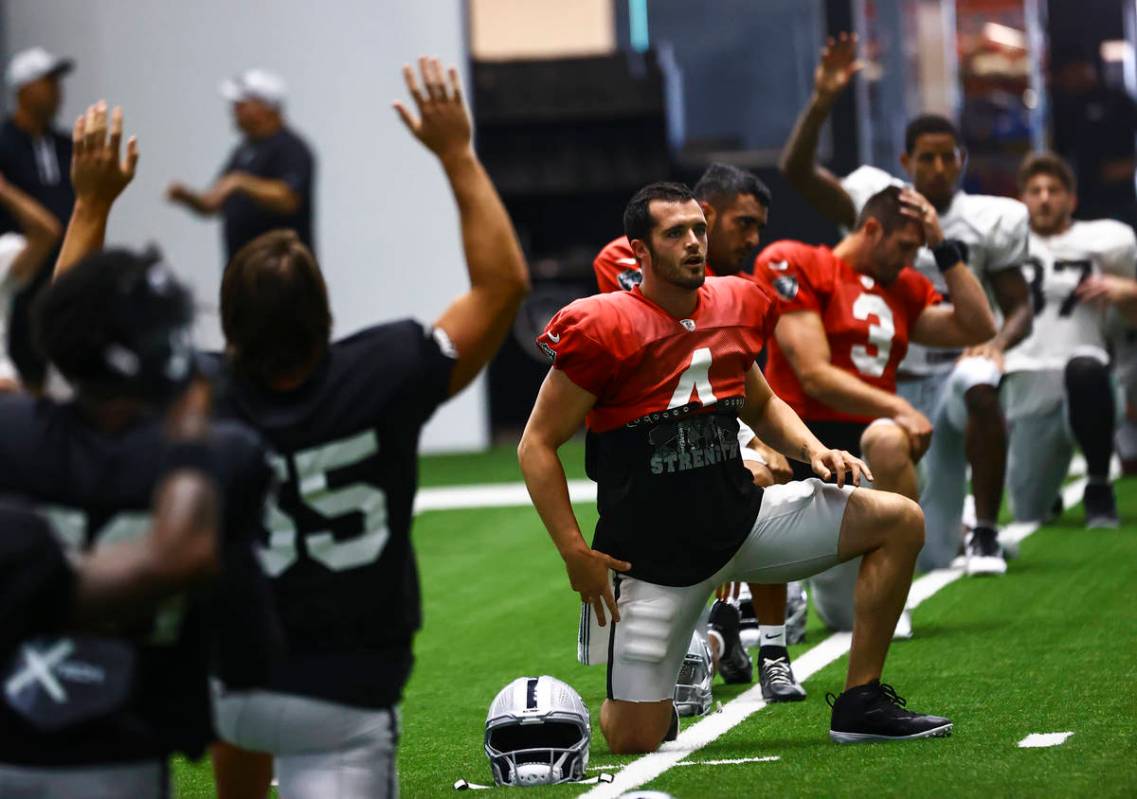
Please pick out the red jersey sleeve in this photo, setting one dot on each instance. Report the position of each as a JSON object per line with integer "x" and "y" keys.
{"x": 791, "y": 273}
{"x": 573, "y": 341}
{"x": 918, "y": 293}
{"x": 616, "y": 267}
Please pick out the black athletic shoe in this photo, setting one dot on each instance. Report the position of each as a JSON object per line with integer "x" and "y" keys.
{"x": 673, "y": 727}
{"x": 1101, "y": 506}
{"x": 734, "y": 662}
{"x": 984, "y": 555}
{"x": 1056, "y": 511}
{"x": 777, "y": 676}
{"x": 874, "y": 712}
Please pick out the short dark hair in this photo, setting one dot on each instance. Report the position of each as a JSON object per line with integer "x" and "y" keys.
{"x": 928, "y": 123}
{"x": 638, "y": 221}
{"x": 1047, "y": 163}
{"x": 114, "y": 300}
{"x": 721, "y": 183}
{"x": 885, "y": 207}
{"x": 274, "y": 308}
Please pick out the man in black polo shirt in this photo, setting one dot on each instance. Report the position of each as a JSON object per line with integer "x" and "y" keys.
{"x": 267, "y": 182}
{"x": 36, "y": 159}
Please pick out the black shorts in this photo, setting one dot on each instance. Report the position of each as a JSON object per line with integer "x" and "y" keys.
{"x": 835, "y": 435}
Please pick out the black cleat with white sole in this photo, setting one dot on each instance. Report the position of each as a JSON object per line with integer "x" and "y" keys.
{"x": 777, "y": 676}
{"x": 734, "y": 662}
{"x": 874, "y": 712}
{"x": 1101, "y": 507}
{"x": 984, "y": 554}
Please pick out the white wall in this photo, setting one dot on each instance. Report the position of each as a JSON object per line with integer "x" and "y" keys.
{"x": 505, "y": 29}
{"x": 386, "y": 228}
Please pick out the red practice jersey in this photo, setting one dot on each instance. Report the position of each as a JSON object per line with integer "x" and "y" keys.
{"x": 616, "y": 267}
{"x": 867, "y": 324}
{"x": 674, "y": 497}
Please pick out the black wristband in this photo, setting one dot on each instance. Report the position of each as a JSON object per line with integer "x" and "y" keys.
{"x": 948, "y": 253}
{"x": 197, "y": 456}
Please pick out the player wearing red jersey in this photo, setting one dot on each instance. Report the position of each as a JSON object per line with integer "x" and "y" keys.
{"x": 736, "y": 204}
{"x": 660, "y": 375}
{"x": 847, "y": 316}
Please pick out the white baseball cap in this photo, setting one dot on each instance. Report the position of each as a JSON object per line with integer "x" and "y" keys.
{"x": 34, "y": 63}
{"x": 255, "y": 84}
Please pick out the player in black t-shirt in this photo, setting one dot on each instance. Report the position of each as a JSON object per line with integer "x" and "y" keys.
{"x": 344, "y": 420}
{"x": 116, "y": 325}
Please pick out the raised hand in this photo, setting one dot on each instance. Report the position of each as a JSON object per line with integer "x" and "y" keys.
{"x": 98, "y": 172}
{"x": 443, "y": 124}
{"x": 838, "y": 463}
{"x": 915, "y": 206}
{"x": 838, "y": 65}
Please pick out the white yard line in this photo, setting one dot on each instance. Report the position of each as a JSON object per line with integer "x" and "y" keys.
{"x": 1040, "y": 740}
{"x": 492, "y": 495}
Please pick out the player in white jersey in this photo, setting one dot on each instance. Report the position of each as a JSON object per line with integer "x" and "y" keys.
{"x": 959, "y": 394}
{"x": 1058, "y": 390}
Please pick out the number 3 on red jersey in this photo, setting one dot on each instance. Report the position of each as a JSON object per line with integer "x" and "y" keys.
{"x": 880, "y": 334}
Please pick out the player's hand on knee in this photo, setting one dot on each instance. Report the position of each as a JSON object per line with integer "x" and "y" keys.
{"x": 989, "y": 350}
{"x": 443, "y": 124}
{"x": 841, "y": 466}
{"x": 919, "y": 430}
{"x": 588, "y": 575}
{"x": 728, "y": 591}
{"x": 777, "y": 464}
{"x": 99, "y": 172}
{"x": 760, "y": 474}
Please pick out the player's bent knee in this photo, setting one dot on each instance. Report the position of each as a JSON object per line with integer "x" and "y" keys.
{"x": 886, "y": 448}
{"x": 634, "y": 728}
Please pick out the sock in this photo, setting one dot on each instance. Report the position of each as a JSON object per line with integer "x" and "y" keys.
{"x": 985, "y": 524}
{"x": 1096, "y": 480}
{"x": 772, "y": 635}
{"x": 1091, "y": 406}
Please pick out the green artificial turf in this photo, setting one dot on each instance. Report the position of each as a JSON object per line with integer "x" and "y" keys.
{"x": 1050, "y": 647}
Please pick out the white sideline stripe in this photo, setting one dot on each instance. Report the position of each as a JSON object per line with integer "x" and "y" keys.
{"x": 613, "y": 767}
{"x": 1038, "y": 740}
{"x": 492, "y": 495}
{"x": 735, "y": 711}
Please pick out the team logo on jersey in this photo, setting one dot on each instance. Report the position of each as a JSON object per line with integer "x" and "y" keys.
{"x": 779, "y": 266}
{"x": 867, "y": 281}
{"x": 630, "y": 278}
{"x": 550, "y": 353}
{"x": 688, "y": 325}
{"x": 786, "y": 286}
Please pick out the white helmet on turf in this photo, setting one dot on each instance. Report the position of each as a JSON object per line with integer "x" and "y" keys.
{"x": 537, "y": 733}
{"x": 693, "y": 688}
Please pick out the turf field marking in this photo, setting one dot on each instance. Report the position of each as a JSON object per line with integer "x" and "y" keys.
{"x": 492, "y": 495}
{"x": 1039, "y": 740}
{"x": 613, "y": 767}
{"x": 736, "y": 711}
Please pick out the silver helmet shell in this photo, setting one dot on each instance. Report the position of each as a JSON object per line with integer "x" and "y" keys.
{"x": 537, "y": 733}
{"x": 693, "y": 687}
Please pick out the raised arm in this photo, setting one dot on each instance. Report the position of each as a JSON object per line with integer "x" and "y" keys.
{"x": 782, "y": 429}
{"x": 477, "y": 321}
{"x": 40, "y": 228}
{"x": 558, "y": 413}
{"x": 818, "y": 185}
{"x": 98, "y": 174}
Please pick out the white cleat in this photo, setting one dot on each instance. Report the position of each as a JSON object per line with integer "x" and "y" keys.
{"x": 984, "y": 554}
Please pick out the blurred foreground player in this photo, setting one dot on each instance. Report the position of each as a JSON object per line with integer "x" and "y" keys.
{"x": 1058, "y": 390}
{"x": 959, "y": 394}
{"x": 846, "y": 318}
{"x": 660, "y": 374}
{"x": 116, "y": 324}
{"x": 736, "y": 204}
{"x": 344, "y": 420}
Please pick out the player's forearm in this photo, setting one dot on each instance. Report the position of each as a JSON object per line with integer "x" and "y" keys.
{"x": 785, "y": 432}
{"x": 85, "y": 235}
{"x": 1016, "y": 327}
{"x": 838, "y": 389}
{"x": 270, "y": 194}
{"x": 971, "y": 310}
{"x": 545, "y": 480}
{"x": 494, "y": 259}
{"x": 799, "y": 163}
{"x": 37, "y": 224}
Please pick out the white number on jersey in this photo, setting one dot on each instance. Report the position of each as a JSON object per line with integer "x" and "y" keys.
{"x": 695, "y": 379}
{"x": 70, "y": 527}
{"x": 311, "y": 467}
{"x": 880, "y": 334}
